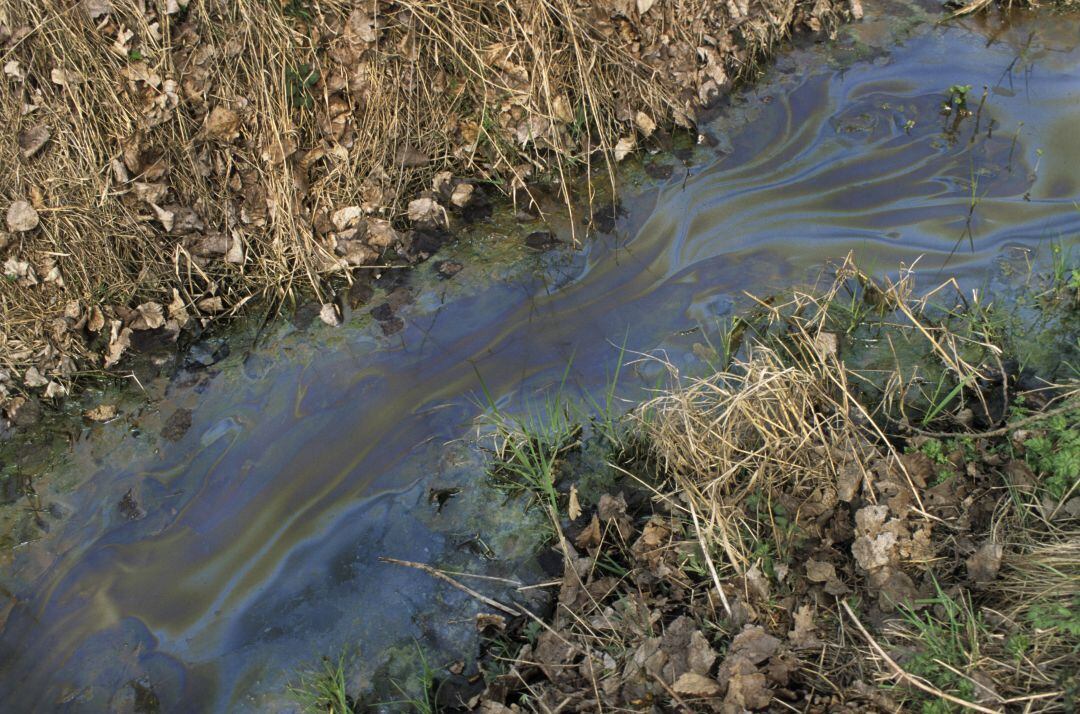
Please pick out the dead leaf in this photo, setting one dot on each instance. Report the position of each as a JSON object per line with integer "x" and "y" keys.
{"x": 346, "y": 217}
{"x": 426, "y": 210}
{"x": 645, "y": 124}
{"x": 573, "y": 511}
{"x": 55, "y": 390}
{"x": 700, "y": 655}
{"x": 462, "y": 194}
{"x": 486, "y": 621}
{"x": 32, "y": 140}
{"x": 591, "y": 536}
{"x": 329, "y": 314}
{"x": 625, "y": 147}
{"x": 119, "y": 340}
{"x": 222, "y": 123}
{"x": 804, "y": 633}
{"x": 96, "y": 8}
{"x": 983, "y": 565}
{"x": 21, "y": 271}
{"x": 693, "y": 684}
{"x": 148, "y": 316}
{"x": 97, "y": 319}
{"x": 102, "y": 412}
{"x": 21, "y": 217}
{"x": 380, "y": 234}
{"x": 33, "y": 378}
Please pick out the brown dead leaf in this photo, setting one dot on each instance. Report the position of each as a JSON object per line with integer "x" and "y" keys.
{"x": 462, "y": 194}
{"x": 426, "y": 210}
{"x": 983, "y": 565}
{"x": 346, "y": 217}
{"x": 32, "y": 140}
{"x": 645, "y": 124}
{"x": 33, "y": 378}
{"x": 486, "y": 621}
{"x": 102, "y": 412}
{"x": 222, "y": 124}
{"x": 148, "y": 316}
{"x": 591, "y": 536}
{"x": 804, "y": 632}
{"x": 21, "y": 217}
{"x": 573, "y": 510}
{"x": 692, "y": 684}
{"x": 329, "y": 314}
{"x": 624, "y": 147}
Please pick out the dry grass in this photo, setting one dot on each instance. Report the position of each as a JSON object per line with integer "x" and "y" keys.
{"x": 209, "y": 148}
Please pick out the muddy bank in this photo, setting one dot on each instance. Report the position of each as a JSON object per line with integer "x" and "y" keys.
{"x": 168, "y": 166}
{"x": 778, "y": 536}
{"x": 249, "y": 546}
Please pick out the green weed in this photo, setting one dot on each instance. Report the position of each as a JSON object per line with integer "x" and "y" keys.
{"x": 528, "y": 447}
{"x": 1055, "y": 454}
{"x": 322, "y": 691}
{"x": 946, "y": 632}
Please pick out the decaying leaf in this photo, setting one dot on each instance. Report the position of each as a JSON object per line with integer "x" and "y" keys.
{"x": 573, "y": 510}
{"x": 21, "y": 217}
{"x": 222, "y": 123}
{"x": 462, "y": 194}
{"x": 624, "y": 147}
{"x": 693, "y": 684}
{"x": 32, "y": 140}
{"x": 984, "y": 564}
{"x": 33, "y": 378}
{"x": 426, "y": 210}
{"x": 148, "y": 316}
{"x": 346, "y": 217}
{"x": 645, "y": 124}
{"x": 102, "y": 412}
{"x": 329, "y": 314}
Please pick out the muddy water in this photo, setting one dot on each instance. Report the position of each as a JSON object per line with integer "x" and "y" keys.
{"x": 249, "y": 545}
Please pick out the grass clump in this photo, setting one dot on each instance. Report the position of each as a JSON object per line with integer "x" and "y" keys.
{"x": 323, "y": 690}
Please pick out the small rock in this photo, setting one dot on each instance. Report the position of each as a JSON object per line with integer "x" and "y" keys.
{"x": 541, "y": 240}
{"x": 448, "y": 268}
{"x": 177, "y": 425}
{"x": 129, "y": 506}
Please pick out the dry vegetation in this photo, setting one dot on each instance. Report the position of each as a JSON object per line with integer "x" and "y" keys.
{"x": 167, "y": 163}
{"x": 798, "y": 540}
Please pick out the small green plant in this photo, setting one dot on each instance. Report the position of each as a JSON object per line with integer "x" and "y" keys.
{"x": 322, "y": 691}
{"x": 528, "y": 447}
{"x": 1055, "y": 454}
{"x": 957, "y": 99}
{"x": 298, "y": 83}
{"x": 947, "y": 631}
{"x": 424, "y": 703}
{"x": 1060, "y": 615}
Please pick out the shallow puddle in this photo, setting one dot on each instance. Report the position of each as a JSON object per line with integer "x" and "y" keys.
{"x": 208, "y": 564}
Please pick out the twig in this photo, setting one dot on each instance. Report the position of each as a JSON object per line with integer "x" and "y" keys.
{"x": 447, "y": 579}
{"x": 708, "y": 560}
{"x": 996, "y": 432}
{"x": 910, "y": 679}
